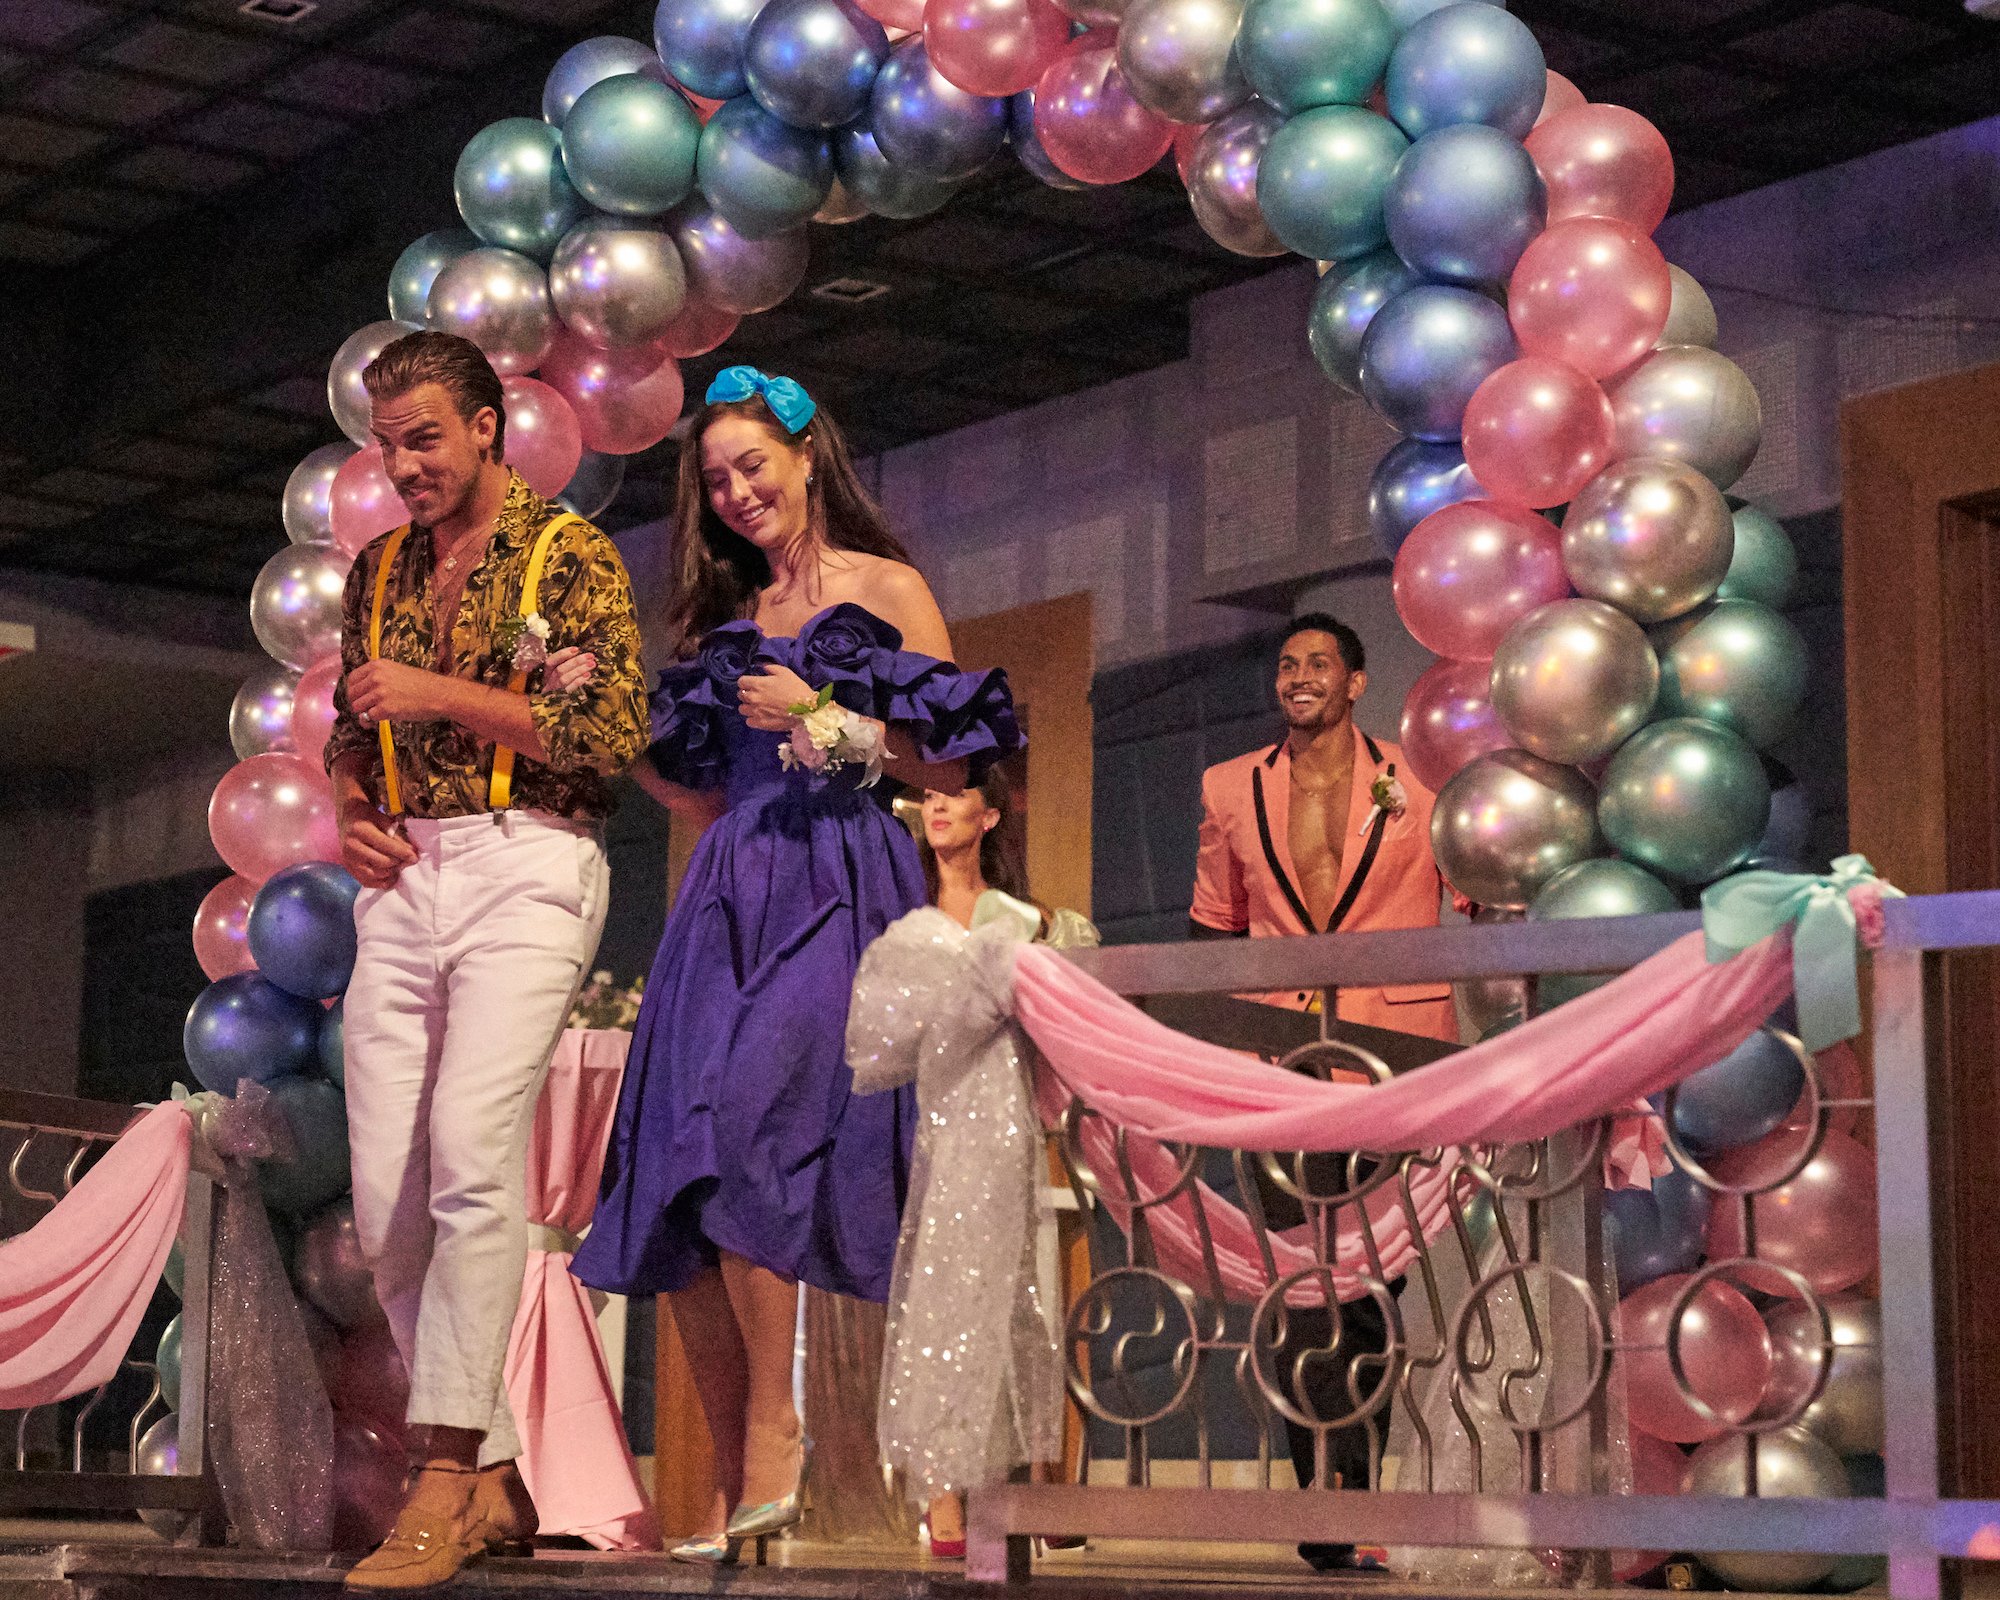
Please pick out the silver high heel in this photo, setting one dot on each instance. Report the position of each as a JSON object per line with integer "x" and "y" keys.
{"x": 706, "y": 1552}
{"x": 774, "y": 1516}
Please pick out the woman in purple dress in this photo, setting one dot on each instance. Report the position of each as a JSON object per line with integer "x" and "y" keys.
{"x": 741, "y": 1163}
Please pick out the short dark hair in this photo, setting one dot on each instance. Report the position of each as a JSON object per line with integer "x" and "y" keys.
{"x": 1348, "y": 641}
{"x": 441, "y": 358}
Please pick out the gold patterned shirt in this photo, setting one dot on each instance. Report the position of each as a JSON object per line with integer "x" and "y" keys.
{"x": 595, "y": 733}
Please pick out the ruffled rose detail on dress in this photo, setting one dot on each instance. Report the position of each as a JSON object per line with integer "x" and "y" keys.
{"x": 951, "y": 714}
{"x": 688, "y": 747}
{"x": 848, "y": 648}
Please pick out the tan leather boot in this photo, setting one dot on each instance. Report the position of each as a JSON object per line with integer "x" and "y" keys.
{"x": 503, "y": 1512}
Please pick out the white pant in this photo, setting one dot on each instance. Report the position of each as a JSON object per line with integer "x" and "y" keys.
{"x": 466, "y": 972}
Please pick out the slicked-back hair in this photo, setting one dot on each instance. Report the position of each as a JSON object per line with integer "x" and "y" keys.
{"x": 1344, "y": 637}
{"x": 458, "y": 365}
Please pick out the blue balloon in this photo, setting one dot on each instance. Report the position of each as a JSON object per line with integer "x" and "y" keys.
{"x": 1413, "y": 479}
{"x": 1426, "y": 351}
{"x": 879, "y": 184}
{"x": 1321, "y": 180}
{"x": 167, "y": 1359}
{"x": 301, "y": 929}
{"x": 1467, "y": 63}
{"x": 316, "y": 1170}
{"x": 513, "y": 189}
{"x": 1465, "y": 202}
{"x": 245, "y": 1026}
{"x": 924, "y": 123}
{"x": 762, "y": 175}
{"x": 590, "y": 62}
{"x": 812, "y": 62}
{"x": 1345, "y": 303}
{"x": 1742, "y": 1097}
{"x": 416, "y": 269}
{"x": 1788, "y": 835}
{"x": 333, "y": 1043}
{"x": 1028, "y": 149}
{"x": 595, "y": 485}
{"x": 1657, "y": 1231}
{"x": 701, "y": 43}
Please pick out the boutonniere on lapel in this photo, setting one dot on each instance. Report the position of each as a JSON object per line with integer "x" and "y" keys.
{"x": 1388, "y": 796}
{"x": 523, "y": 640}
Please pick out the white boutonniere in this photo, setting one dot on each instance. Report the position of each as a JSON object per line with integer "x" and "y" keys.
{"x": 524, "y": 641}
{"x": 1389, "y": 796}
{"x": 826, "y": 737}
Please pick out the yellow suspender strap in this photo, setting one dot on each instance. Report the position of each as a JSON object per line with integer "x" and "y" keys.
{"x": 392, "y": 791}
{"x": 501, "y": 793}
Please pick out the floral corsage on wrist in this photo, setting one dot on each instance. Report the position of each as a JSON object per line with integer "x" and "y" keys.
{"x": 1389, "y": 798}
{"x": 523, "y": 640}
{"x": 826, "y": 737}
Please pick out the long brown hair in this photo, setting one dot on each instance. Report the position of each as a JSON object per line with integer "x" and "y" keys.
{"x": 1000, "y": 863}
{"x": 718, "y": 573}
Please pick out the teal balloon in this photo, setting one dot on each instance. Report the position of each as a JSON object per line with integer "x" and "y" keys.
{"x": 1322, "y": 178}
{"x": 1465, "y": 202}
{"x": 174, "y": 1274}
{"x": 333, "y": 1038}
{"x": 1299, "y": 54}
{"x": 1734, "y": 663}
{"x": 168, "y": 1360}
{"x": 878, "y": 183}
{"x": 762, "y": 175}
{"x": 512, "y": 188}
{"x": 1466, "y": 63}
{"x": 629, "y": 145}
{"x": 316, "y": 1170}
{"x": 416, "y": 269}
{"x": 1344, "y": 304}
{"x": 1765, "y": 567}
{"x": 1686, "y": 800}
{"x": 1594, "y": 889}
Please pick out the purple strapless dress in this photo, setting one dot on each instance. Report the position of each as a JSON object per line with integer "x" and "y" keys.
{"x": 738, "y": 1128}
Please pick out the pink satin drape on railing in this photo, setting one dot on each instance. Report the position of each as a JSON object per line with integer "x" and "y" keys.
{"x": 574, "y": 1454}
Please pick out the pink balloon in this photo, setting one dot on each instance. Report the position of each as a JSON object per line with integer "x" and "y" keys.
{"x": 271, "y": 812}
{"x": 1560, "y": 96}
{"x": 1604, "y": 161}
{"x": 544, "y": 443}
{"x": 993, "y": 47}
{"x": 1087, "y": 118}
{"x": 1725, "y": 1352}
{"x": 312, "y": 709}
{"x": 698, "y": 329}
{"x": 364, "y": 502}
{"x": 624, "y": 401}
{"x": 905, "y": 14}
{"x": 1449, "y": 720}
{"x": 1592, "y": 291}
{"x": 1468, "y": 572}
{"x": 1536, "y": 431}
{"x": 373, "y": 1383}
{"x": 368, "y": 1470}
{"x": 1656, "y": 1470}
{"x": 1821, "y": 1224}
{"x": 220, "y": 943}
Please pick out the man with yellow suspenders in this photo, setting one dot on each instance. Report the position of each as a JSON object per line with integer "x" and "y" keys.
{"x": 471, "y": 803}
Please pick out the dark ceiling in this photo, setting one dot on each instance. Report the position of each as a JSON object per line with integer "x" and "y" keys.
{"x": 196, "y": 206}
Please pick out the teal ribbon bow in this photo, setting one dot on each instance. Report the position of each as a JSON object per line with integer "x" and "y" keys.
{"x": 786, "y": 397}
{"x": 1739, "y": 911}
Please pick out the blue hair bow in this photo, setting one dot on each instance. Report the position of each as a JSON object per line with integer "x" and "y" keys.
{"x": 786, "y": 397}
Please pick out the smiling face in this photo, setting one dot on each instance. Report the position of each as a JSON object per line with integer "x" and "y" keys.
{"x": 1315, "y": 688}
{"x": 432, "y": 455}
{"x": 757, "y": 481}
{"x": 954, "y": 823}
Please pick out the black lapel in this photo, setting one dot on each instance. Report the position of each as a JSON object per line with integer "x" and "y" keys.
{"x": 1271, "y": 850}
{"x": 1368, "y": 852}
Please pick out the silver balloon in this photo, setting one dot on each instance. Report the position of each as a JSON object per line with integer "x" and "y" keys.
{"x": 596, "y": 484}
{"x": 260, "y": 717}
{"x": 1686, "y": 800}
{"x": 617, "y": 282}
{"x": 416, "y": 269}
{"x": 1508, "y": 822}
{"x": 498, "y": 299}
{"x": 1493, "y": 1003}
{"x": 1734, "y": 663}
{"x": 1690, "y": 314}
{"x": 308, "y": 512}
{"x": 295, "y": 604}
{"x": 1791, "y": 1464}
{"x": 1572, "y": 681}
{"x": 159, "y": 1456}
{"x": 1848, "y": 1416}
{"x": 590, "y": 62}
{"x": 1222, "y": 183}
{"x": 345, "y": 393}
{"x": 1693, "y": 405}
{"x": 1764, "y": 567}
{"x": 1180, "y": 57}
{"x": 1652, "y": 537}
{"x": 732, "y": 273}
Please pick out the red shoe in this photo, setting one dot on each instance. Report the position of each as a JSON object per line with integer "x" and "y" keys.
{"x": 946, "y": 1549}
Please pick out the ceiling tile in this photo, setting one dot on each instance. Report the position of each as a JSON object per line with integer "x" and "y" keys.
{"x": 454, "y": 41}
{"x": 303, "y": 395}
{"x": 117, "y": 211}
{"x": 16, "y": 511}
{"x": 1839, "y": 38}
{"x": 47, "y": 24}
{"x": 238, "y": 429}
{"x": 974, "y": 246}
{"x": 31, "y": 142}
{"x": 174, "y": 459}
{"x": 111, "y": 99}
{"x": 182, "y": 168}
{"x": 43, "y": 246}
{"x": 258, "y": 128}
{"x": 1121, "y": 277}
{"x": 231, "y": 508}
{"x": 91, "y": 487}
{"x": 346, "y": 84}
{"x": 193, "y": 55}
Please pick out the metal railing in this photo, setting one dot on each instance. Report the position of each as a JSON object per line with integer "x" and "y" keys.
{"x": 1507, "y": 1330}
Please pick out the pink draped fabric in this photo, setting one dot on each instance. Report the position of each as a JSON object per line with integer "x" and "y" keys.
{"x": 74, "y": 1286}
{"x": 574, "y": 1455}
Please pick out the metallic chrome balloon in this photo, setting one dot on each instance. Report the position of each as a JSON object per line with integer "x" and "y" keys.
{"x": 416, "y": 269}
{"x": 500, "y": 301}
{"x": 1574, "y": 680}
{"x": 260, "y": 717}
{"x": 332, "y": 1273}
{"x": 1321, "y": 182}
{"x": 1466, "y": 63}
{"x": 1493, "y": 1005}
{"x": 1222, "y": 180}
{"x": 345, "y": 393}
{"x": 308, "y": 514}
{"x": 842, "y": 205}
{"x": 811, "y": 63}
{"x": 878, "y": 185}
{"x": 1344, "y": 304}
{"x": 1465, "y": 202}
{"x": 1693, "y": 405}
{"x": 1652, "y": 537}
{"x": 1788, "y": 835}
{"x": 587, "y": 63}
{"x": 1848, "y": 1416}
{"x": 1299, "y": 54}
{"x": 1765, "y": 567}
{"x": 1028, "y": 149}
{"x": 159, "y": 1456}
{"x": 1427, "y": 350}
{"x": 926, "y": 124}
{"x": 513, "y": 189}
{"x": 629, "y": 145}
{"x": 732, "y": 273}
{"x": 617, "y": 283}
{"x": 702, "y": 43}
{"x": 1734, "y": 663}
{"x": 1791, "y": 1464}
{"x": 1095, "y": 13}
{"x": 1413, "y": 479}
{"x": 596, "y": 484}
{"x": 764, "y": 175}
{"x": 1691, "y": 314}
{"x": 1686, "y": 800}
{"x": 1601, "y": 888}
{"x": 1508, "y": 823}
{"x": 1180, "y": 57}
{"x": 295, "y": 604}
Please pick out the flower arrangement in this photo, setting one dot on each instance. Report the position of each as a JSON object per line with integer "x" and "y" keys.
{"x": 600, "y": 1003}
{"x": 524, "y": 640}
{"x": 1389, "y": 797}
{"x": 827, "y": 736}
